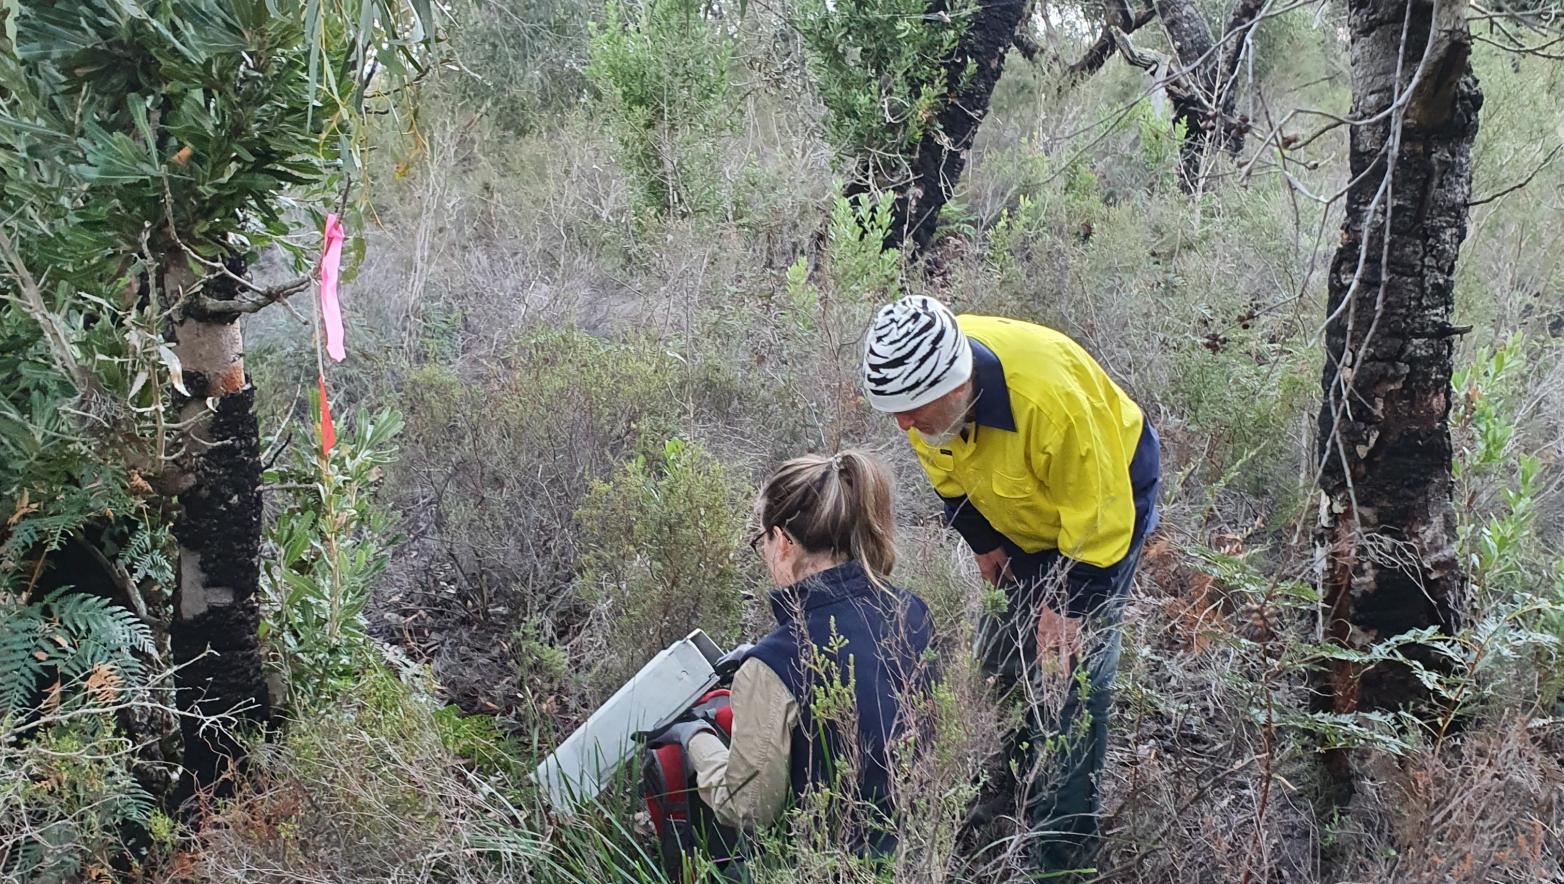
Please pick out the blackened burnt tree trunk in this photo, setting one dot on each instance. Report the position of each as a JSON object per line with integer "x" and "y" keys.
{"x": 1202, "y": 92}
{"x": 214, "y": 631}
{"x": 970, "y": 76}
{"x": 1387, "y": 528}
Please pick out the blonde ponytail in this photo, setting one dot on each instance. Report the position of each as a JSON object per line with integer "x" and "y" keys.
{"x": 840, "y": 505}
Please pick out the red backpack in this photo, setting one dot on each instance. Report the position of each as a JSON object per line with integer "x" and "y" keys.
{"x": 686, "y": 827}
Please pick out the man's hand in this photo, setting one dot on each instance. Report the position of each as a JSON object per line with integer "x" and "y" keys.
{"x": 994, "y": 565}
{"x": 1058, "y": 641}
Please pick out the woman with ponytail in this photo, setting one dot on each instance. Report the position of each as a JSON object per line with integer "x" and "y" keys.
{"x": 825, "y": 535}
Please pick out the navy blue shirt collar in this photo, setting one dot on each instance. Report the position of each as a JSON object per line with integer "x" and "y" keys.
{"x": 992, "y": 408}
{"x": 822, "y": 588}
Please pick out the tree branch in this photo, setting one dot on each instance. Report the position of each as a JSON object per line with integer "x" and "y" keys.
{"x": 1098, "y": 53}
{"x": 200, "y": 304}
{"x": 1524, "y": 181}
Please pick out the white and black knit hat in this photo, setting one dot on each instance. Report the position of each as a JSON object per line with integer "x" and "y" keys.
{"x": 914, "y": 353}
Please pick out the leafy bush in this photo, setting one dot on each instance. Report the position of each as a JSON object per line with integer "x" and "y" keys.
{"x": 659, "y": 539}
{"x": 507, "y": 457}
{"x": 328, "y": 545}
{"x": 522, "y": 62}
{"x": 68, "y": 662}
{"x": 878, "y": 68}
{"x": 68, "y": 799}
{"x": 662, "y": 71}
{"x": 363, "y": 788}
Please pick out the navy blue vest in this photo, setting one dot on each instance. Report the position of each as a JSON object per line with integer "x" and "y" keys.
{"x": 836, "y": 624}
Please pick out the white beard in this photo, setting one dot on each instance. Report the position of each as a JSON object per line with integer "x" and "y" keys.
{"x": 950, "y": 435}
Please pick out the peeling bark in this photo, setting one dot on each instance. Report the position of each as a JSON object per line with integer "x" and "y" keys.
{"x": 219, "y": 534}
{"x": 1387, "y": 537}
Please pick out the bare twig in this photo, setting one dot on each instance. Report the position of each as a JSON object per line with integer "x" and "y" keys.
{"x": 1523, "y": 182}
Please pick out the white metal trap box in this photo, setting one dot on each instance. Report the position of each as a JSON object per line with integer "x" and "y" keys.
{"x": 666, "y": 686}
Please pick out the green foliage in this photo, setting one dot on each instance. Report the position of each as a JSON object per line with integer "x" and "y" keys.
{"x": 1485, "y": 660}
{"x": 1052, "y": 207}
{"x": 1497, "y": 481}
{"x": 1159, "y": 140}
{"x": 477, "y": 740}
{"x": 67, "y": 797}
{"x": 67, "y": 661}
{"x": 878, "y": 66}
{"x": 144, "y": 556}
{"x": 803, "y": 299}
{"x": 861, "y": 269}
{"x": 539, "y": 665}
{"x": 369, "y": 768}
{"x": 521, "y": 61}
{"x": 329, "y": 544}
{"x": 663, "y": 74}
{"x": 1485, "y": 412}
{"x": 181, "y": 122}
{"x": 81, "y": 646}
{"x": 510, "y": 455}
{"x": 1499, "y": 488}
{"x": 659, "y": 539}
{"x": 139, "y": 138}
{"x": 1245, "y": 391}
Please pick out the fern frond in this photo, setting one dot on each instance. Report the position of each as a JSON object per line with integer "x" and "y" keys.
{"x": 66, "y": 634}
{"x": 145, "y": 556}
{"x": 21, "y": 645}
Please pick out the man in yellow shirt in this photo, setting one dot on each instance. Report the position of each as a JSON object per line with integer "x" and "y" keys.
{"x": 1050, "y": 473}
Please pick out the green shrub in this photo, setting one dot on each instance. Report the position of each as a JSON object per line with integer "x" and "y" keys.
{"x": 521, "y": 60}
{"x": 878, "y": 68}
{"x": 863, "y": 271}
{"x": 659, "y": 540}
{"x": 67, "y": 662}
{"x": 68, "y": 800}
{"x": 366, "y": 787}
{"x": 1246, "y": 395}
{"x": 662, "y": 73}
{"x": 506, "y": 458}
{"x": 325, "y": 550}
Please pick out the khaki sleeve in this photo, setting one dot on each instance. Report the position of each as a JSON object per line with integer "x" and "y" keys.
{"x": 746, "y": 782}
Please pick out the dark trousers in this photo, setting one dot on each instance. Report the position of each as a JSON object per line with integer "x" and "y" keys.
{"x": 1046, "y": 777}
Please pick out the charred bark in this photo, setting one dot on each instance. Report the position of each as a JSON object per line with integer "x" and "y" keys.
{"x": 941, "y": 155}
{"x": 1203, "y": 93}
{"x": 1386, "y": 535}
{"x": 216, "y": 618}
{"x": 1201, "y": 79}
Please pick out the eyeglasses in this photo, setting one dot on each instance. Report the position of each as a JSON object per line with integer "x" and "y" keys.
{"x": 754, "y": 542}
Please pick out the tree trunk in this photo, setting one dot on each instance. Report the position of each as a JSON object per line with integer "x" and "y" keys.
{"x": 1191, "y": 93}
{"x": 219, "y": 534}
{"x": 1386, "y": 535}
{"x": 1200, "y": 80}
{"x": 942, "y": 154}
{"x": 1203, "y": 97}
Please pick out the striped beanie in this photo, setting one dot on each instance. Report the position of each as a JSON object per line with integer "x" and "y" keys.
{"x": 914, "y": 353}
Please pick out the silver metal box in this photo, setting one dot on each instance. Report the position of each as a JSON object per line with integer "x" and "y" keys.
{"x": 666, "y": 686}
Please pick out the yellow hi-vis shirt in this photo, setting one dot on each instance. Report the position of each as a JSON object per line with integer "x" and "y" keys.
{"x": 1053, "y": 473}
